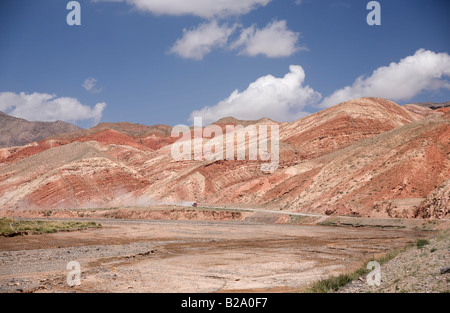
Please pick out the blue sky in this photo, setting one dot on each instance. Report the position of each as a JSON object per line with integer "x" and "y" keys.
{"x": 145, "y": 69}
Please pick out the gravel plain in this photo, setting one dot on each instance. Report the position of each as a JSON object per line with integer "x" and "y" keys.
{"x": 416, "y": 270}
{"x": 191, "y": 256}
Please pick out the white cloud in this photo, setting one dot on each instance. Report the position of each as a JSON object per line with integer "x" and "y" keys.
{"x": 198, "y": 42}
{"x": 90, "y": 84}
{"x": 273, "y": 41}
{"x": 47, "y": 107}
{"x": 423, "y": 71}
{"x": 281, "y": 99}
{"x": 202, "y": 8}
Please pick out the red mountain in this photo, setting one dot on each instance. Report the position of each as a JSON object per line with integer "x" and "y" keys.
{"x": 367, "y": 157}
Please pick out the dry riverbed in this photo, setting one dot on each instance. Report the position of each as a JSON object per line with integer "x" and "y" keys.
{"x": 192, "y": 256}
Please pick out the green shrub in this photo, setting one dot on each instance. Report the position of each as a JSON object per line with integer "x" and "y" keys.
{"x": 422, "y": 243}
{"x": 10, "y": 227}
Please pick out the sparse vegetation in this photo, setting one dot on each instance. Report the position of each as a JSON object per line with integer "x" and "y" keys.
{"x": 443, "y": 235}
{"x": 422, "y": 243}
{"x": 329, "y": 222}
{"x": 11, "y": 227}
{"x": 335, "y": 282}
{"x": 297, "y": 219}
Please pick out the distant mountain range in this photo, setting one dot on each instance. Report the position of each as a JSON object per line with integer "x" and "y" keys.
{"x": 365, "y": 157}
{"x": 18, "y": 132}
{"x": 433, "y": 105}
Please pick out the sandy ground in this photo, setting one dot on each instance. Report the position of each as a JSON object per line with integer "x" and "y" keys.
{"x": 191, "y": 256}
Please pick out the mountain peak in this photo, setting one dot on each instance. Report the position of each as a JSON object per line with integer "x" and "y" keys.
{"x": 16, "y": 131}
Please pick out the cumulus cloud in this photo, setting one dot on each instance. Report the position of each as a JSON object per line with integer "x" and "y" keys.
{"x": 47, "y": 107}
{"x": 202, "y": 8}
{"x": 90, "y": 84}
{"x": 196, "y": 43}
{"x": 274, "y": 41}
{"x": 423, "y": 71}
{"x": 281, "y": 99}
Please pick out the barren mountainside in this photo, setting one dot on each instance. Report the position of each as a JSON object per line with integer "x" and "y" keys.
{"x": 18, "y": 132}
{"x": 368, "y": 157}
{"x": 434, "y": 105}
